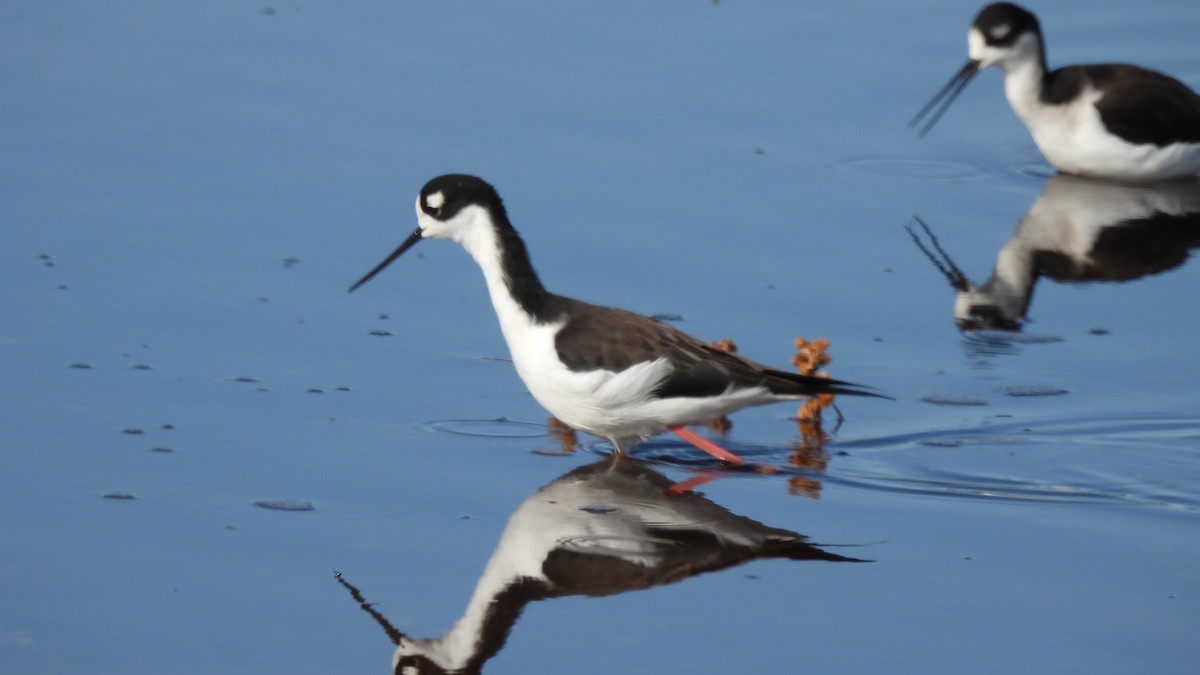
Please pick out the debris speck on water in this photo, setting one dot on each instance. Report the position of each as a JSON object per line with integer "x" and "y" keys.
{"x": 941, "y": 399}
{"x": 117, "y": 494}
{"x": 285, "y": 504}
{"x": 1035, "y": 390}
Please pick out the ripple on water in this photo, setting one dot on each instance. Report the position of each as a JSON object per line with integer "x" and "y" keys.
{"x": 663, "y": 449}
{"x": 1010, "y": 337}
{"x": 668, "y": 450}
{"x": 1134, "y": 460}
{"x": 1035, "y": 168}
{"x": 988, "y": 343}
{"x": 1148, "y": 461}
{"x": 499, "y": 427}
{"x": 910, "y": 167}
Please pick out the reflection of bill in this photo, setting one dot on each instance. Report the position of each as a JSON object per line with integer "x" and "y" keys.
{"x": 1077, "y": 231}
{"x": 602, "y": 529}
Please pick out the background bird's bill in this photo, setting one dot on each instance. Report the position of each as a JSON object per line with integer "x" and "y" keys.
{"x": 947, "y": 94}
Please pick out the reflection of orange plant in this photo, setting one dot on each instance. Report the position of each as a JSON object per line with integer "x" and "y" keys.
{"x": 809, "y": 454}
{"x": 567, "y": 440}
{"x": 809, "y": 358}
{"x": 722, "y": 424}
{"x": 801, "y": 486}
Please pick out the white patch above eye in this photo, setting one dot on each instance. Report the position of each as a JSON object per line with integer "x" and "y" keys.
{"x": 1000, "y": 32}
{"x": 976, "y": 44}
{"x": 435, "y": 200}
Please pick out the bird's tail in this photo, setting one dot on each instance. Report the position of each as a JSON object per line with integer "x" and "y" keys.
{"x": 783, "y": 383}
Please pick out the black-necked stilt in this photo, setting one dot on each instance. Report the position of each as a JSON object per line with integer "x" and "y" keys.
{"x": 1077, "y": 231}
{"x": 1112, "y": 121}
{"x": 601, "y": 529}
{"x": 606, "y": 371}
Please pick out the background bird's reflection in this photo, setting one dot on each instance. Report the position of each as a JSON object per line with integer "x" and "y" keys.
{"x": 1077, "y": 231}
{"x": 601, "y": 529}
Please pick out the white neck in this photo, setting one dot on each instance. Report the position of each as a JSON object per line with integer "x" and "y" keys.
{"x": 1023, "y": 86}
{"x": 482, "y": 242}
{"x": 461, "y": 643}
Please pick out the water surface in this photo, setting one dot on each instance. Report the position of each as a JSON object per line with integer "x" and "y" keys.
{"x": 190, "y": 189}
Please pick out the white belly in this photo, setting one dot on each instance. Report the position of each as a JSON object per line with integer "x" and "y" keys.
{"x": 607, "y": 404}
{"x": 1074, "y": 140}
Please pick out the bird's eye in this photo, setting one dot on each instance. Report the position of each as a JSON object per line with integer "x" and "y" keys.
{"x": 436, "y": 203}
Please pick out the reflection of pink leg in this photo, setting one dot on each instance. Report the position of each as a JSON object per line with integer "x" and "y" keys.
{"x": 706, "y": 445}
{"x": 690, "y": 484}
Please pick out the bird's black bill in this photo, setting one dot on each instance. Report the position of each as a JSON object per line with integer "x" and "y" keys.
{"x": 408, "y": 243}
{"x": 946, "y": 96}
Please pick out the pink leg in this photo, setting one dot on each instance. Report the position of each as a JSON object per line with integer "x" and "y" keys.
{"x": 706, "y": 445}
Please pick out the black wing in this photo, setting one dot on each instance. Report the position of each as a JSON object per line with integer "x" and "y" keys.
{"x": 605, "y": 338}
{"x": 1139, "y": 105}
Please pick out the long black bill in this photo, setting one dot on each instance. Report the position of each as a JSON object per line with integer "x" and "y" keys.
{"x": 946, "y": 96}
{"x": 408, "y": 243}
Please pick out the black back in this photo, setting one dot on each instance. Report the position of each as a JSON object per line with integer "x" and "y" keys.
{"x": 1139, "y": 105}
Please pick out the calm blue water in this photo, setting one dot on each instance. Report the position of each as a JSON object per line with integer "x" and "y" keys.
{"x": 189, "y": 189}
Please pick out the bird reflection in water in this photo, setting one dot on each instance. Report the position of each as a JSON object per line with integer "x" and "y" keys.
{"x": 601, "y": 529}
{"x": 1078, "y": 230}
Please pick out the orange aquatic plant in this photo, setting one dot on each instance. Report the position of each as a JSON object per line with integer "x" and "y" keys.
{"x": 809, "y": 359}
